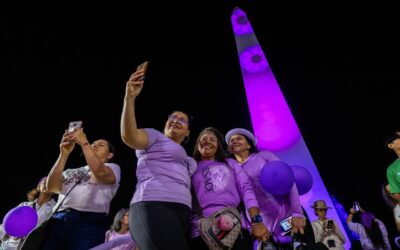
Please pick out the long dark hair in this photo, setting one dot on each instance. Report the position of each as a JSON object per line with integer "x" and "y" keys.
{"x": 116, "y": 226}
{"x": 372, "y": 229}
{"x": 220, "y": 155}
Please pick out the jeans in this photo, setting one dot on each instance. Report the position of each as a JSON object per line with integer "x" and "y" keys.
{"x": 75, "y": 230}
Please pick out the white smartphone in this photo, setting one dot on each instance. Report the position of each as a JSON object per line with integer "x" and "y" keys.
{"x": 74, "y": 126}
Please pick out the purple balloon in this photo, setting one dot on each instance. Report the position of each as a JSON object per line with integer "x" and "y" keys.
{"x": 303, "y": 179}
{"x": 19, "y": 221}
{"x": 277, "y": 178}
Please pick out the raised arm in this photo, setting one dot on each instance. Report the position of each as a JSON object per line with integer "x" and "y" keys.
{"x": 130, "y": 134}
{"x": 96, "y": 156}
{"x": 55, "y": 178}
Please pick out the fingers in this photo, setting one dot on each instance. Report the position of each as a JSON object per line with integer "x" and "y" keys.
{"x": 137, "y": 76}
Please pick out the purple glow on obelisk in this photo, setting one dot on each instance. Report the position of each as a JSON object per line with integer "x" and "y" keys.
{"x": 273, "y": 123}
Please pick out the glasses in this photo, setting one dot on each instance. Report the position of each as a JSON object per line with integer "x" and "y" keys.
{"x": 321, "y": 209}
{"x": 180, "y": 120}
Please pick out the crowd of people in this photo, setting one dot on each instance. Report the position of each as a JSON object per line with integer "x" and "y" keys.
{"x": 176, "y": 192}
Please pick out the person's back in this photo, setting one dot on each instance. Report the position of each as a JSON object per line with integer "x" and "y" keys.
{"x": 371, "y": 231}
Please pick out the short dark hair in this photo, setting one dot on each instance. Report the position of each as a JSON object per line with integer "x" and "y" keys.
{"x": 393, "y": 136}
{"x": 111, "y": 147}
{"x": 189, "y": 116}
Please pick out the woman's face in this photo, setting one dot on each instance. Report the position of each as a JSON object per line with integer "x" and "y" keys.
{"x": 238, "y": 144}
{"x": 177, "y": 125}
{"x": 125, "y": 219}
{"x": 207, "y": 146}
{"x": 100, "y": 147}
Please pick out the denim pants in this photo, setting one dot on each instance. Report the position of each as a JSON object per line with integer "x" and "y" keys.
{"x": 75, "y": 230}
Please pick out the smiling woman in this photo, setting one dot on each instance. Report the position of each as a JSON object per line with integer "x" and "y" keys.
{"x": 161, "y": 205}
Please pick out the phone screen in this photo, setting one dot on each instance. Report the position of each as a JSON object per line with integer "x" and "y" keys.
{"x": 74, "y": 125}
{"x": 286, "y": 224}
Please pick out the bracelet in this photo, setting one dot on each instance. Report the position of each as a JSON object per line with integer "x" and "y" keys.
{"x": 256, "y": 219}
{"x": 84, "y": 144}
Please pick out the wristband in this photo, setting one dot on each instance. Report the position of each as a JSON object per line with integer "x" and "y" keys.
{"x": 256, "y": 219}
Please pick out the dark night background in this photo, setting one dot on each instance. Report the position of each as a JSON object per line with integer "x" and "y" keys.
{"x": 339, "y": 73}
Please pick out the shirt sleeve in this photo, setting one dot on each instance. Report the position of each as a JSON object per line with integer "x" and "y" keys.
{"x": 384, "y": 231}
{"x": 152, "y": 136}
{"x": 295, "y": 204}
{"x": 192, "y": 165}
{"x": 117, "y": 171}
{"x": 244, "y": 186}
{"x": 353, "y": 226}
{"x": 393, "y": 182}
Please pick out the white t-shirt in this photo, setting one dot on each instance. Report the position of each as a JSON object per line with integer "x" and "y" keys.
{"x": 88, "y": 195}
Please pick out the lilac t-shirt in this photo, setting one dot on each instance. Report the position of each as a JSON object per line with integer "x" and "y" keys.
{"x": 219, "y": 185}
{"x": 163, "y": 171}
{"x": 272, "y": 208}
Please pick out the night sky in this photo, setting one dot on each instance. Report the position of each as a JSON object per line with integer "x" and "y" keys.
{"x": 339, "y": 73}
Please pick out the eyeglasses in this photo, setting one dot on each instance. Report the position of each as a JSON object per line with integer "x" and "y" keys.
{"x": 321, "y": 209}
{"x": 180, "y": 120}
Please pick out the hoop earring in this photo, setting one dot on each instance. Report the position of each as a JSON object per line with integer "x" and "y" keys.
{"x": 186, "y": 140}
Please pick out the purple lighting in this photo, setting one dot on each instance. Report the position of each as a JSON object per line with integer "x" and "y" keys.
{"x": 253, "y": 60}
{"x": 273, "y": 123}
{"x": 241, "y": 24}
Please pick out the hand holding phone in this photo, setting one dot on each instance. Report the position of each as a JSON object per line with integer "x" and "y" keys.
{"x": 73, "y": 126}
{"x": 143, "y": 66}
{"x": 330, "y": 224}
{"x": 356, "y": 207}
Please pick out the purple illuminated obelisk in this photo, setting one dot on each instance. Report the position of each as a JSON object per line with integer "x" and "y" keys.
{"x": 273, "y": 123}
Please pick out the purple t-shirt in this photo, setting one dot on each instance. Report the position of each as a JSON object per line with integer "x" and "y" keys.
{"x": 219, "y": 185}
{"x": 163, "y": 171}
{"x": 272, "y": 208}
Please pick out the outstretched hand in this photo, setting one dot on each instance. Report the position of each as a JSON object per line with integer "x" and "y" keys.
{"x": 135, "y": 84}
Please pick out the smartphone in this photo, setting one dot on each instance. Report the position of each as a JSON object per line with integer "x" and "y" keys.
{"x": 356, "y": 207}
{"x": 143, "y": 66}
{"x": 74, "y": 126}
{"x": 286, "y": 225}
{"x": 330, "y": 224}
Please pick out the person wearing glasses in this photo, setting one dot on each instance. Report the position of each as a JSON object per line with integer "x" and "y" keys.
{"x": 161, "y": 205}
{"x": 326, "y": 230}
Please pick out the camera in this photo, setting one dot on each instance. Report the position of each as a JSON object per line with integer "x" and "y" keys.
{"x": 74, "y": 126}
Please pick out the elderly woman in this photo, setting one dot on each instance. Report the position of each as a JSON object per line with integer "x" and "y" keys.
{"x": 218, "y": 183}
{"x": 274, "y": 209}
